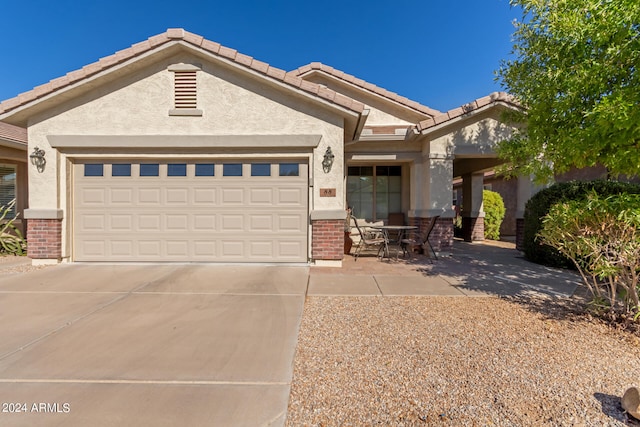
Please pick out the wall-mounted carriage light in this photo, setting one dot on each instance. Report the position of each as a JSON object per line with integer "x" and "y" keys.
{"x": 328, "y": 160}
{"x": 37, "y": 159}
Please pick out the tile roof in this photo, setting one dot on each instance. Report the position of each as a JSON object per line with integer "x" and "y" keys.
{"x": 13, "y": 133}
{"x": 493, "y": 98}
{"x": 318, "y": 66}
{"x": 173, "y": 35}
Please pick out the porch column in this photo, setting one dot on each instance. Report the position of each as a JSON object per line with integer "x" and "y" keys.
{"x": 435, "y": 198}
{"x": 472, "y": 208}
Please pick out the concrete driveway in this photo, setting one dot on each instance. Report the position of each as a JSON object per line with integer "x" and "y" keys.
{"x": 161, "y": 345}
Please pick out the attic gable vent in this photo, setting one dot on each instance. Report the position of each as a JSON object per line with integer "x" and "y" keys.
{"x": 185, "y": 90}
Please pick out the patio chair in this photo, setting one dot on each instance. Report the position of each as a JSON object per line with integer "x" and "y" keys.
{"x": 422, "y": 241}
{"x": 367, "y": 240}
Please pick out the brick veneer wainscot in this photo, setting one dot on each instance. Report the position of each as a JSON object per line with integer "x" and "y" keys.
{"x": 442, "y": 234}
{"x": 520, "y": 234}
{"x": 473, "y": 229}
{"x": 44, "y": 238}
{"x": 327, "y": 239}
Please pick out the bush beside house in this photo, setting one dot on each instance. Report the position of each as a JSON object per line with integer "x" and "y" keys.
{"x": 494, "y": 211}
{"x": 540, "y": 204}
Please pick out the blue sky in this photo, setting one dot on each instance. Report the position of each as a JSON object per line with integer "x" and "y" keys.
{"x": 439, "y": 53}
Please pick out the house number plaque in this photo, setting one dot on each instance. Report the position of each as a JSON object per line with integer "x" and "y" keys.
{"x": 327, "y": 192}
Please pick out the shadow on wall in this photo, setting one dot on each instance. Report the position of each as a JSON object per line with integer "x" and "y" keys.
{"x": 483, "y": 137}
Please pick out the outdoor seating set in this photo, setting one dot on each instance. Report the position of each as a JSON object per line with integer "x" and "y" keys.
{"x": 381, "y": 237}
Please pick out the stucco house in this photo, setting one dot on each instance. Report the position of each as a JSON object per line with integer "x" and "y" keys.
{"x": 180, "y": 149}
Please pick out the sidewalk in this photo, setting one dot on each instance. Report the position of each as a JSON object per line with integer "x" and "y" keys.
{"x": 473, "y": 269}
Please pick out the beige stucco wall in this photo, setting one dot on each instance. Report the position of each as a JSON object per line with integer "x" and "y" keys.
{"x": 233, "y": 103}
{"x": 473, "y": 138}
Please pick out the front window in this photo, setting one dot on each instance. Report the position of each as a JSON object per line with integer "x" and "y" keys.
{"x": 374, "y": 191}
{"x": 8, "y": 187}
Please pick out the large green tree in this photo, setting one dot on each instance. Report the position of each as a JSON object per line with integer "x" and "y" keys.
{"x": 575, "y": 70}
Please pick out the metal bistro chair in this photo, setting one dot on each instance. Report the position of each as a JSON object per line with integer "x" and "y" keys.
{"x": 367, "y": 240}
{"x": 423, "y": 241}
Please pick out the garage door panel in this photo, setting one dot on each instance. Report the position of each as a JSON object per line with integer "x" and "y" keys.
{"x": 260, "y": 196}
{"x": 261, "y": 249}
{"x": 148, "y": 222}
{"x": 121, "y": 248}
{"x": 177, "y": 196}
{"x": 204, "y": 248}
{"x": 121, "y": 222}
{"x": 149, "y": 196}
{"x": 150, "y": 248}
{"x": 204, "y": 222}
{"x": 232, "y": 196}
{"x": 291, "y": 222}
{"x": 232, "y": 222}
{"x": 121, "y": 196}
{"x": 260, "y": 222}
{"x": 288, "y": 248}
{"x": 291, "y": 196}
{"x": 232, "y": 248}
{"x": 93, "y": 249}
{"x": 186, "y": 219}
{"x": 93, "y": 196}
{"x": 178, "y": 222}
{"x": 204, "y": 196}
{"x": 93, "y": 222}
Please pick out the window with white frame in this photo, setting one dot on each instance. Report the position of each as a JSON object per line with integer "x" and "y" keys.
{"x": 8, "y": 188}
{"x": 374, "y": 191}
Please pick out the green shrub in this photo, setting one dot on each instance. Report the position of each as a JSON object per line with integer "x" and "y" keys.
{"x": 494, "y": 211}
{"x": 601, "y": 236}
{"x": 11, "y": 240}
{"x": 540, "y": 204}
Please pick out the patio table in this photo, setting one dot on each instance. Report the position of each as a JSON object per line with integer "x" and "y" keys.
{"x": 401, "y": 231}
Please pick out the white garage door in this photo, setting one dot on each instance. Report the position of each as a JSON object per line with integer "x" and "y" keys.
{"x": 231, "y": 211}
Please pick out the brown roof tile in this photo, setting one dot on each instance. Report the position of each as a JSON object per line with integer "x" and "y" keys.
{"x": 243, "y": 59}
{"x": 212, "y": 47}
{"x": 13, "y": 133}
{"x": 317, "y": 66}
{"x": 176, "y": 34}
{"x": 260, "y": 66}
{"x": 227, "y": 52}
{"x": 495, "y": 97}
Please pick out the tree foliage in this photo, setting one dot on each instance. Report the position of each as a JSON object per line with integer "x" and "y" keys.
{"x": 575, "y": 71}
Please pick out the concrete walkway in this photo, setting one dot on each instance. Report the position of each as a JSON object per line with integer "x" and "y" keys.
{"x": 473, "y": 269}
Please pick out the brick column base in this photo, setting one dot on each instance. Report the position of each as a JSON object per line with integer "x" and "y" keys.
{"x": 44, "y": 238}
{"x": 327, "y": 239}
{"x": 442, "y": 235}
{"x": 520, "y": 234}
{"x": 473, "y": 229}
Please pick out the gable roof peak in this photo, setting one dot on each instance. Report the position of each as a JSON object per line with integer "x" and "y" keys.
{"x": 348, "y": 78}
{"x": 181, "y": 36}
{"x": 469, "y": 108}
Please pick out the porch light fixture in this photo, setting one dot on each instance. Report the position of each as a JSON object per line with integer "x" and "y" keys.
{"x": 37, "y": 159}
{"x": 327, "y": 163}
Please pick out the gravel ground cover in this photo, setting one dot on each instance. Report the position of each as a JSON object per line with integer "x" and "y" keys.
{"x": 11, "y": 264}
{"x": 395, "y": 361}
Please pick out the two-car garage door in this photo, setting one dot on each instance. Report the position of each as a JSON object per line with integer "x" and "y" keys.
{"x": 184, "y": 211}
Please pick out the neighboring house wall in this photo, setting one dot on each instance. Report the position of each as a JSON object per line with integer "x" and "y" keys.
{"x": 13, "y": 171}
